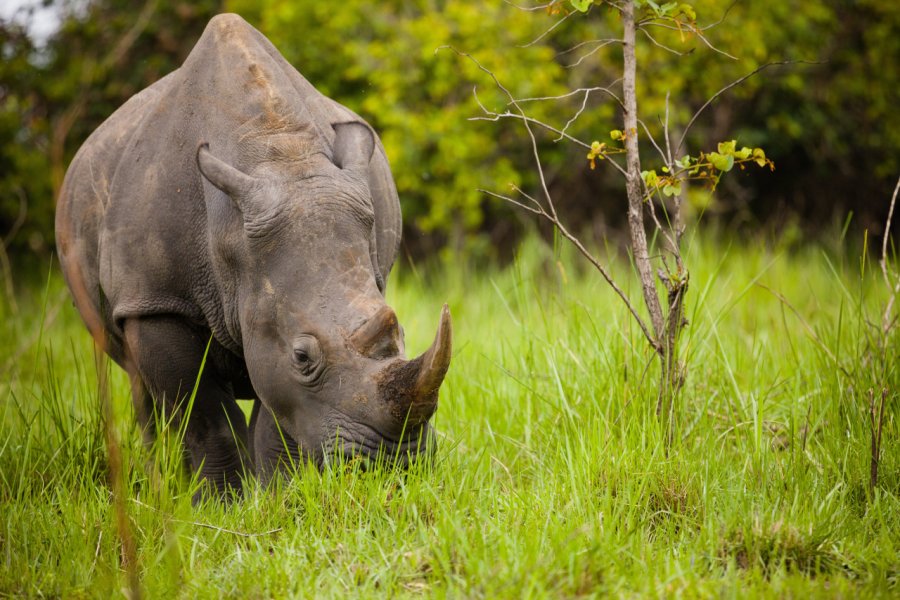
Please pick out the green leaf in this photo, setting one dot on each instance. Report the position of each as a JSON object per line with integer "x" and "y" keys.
{"x": 688, "y": 11}
{"x": 759, "y": 156}
{"x": 581, "y": 5}
{"x": 743, "y": 153}
{"x": 651, "y": 179}
{"x": 672, "y": 189}
{"x": 685, "y": 162}
{"x": 727, "y": 147}
{"x": 667, "y": 8}
{"x": 721, "y": 162}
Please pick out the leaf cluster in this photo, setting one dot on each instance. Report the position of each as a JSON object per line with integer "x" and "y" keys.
{"x": 706, "y": 167}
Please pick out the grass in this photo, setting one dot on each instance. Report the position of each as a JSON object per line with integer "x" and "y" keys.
{"x": 551, "y": 479}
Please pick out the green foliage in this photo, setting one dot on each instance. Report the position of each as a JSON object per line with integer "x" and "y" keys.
{"x": 832, "y": 127}
{"x": 706, "y": 168}
{"x": 52, "y": 97}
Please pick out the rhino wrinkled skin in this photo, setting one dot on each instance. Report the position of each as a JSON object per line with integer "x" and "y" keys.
{"x": 232, "y": 206}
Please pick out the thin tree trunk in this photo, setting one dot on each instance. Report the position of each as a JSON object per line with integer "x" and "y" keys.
{"x": 666, "y": 330}
{"x": 633, "y": 181}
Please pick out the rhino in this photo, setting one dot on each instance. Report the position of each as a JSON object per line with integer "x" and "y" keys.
{"x": 232, "y": 217}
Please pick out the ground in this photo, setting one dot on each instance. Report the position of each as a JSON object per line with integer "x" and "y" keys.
{"x": 552, "y": 478}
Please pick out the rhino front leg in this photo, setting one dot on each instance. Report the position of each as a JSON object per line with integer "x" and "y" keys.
{"x": 165, "y": 354}
{"x": 270, "y": 445}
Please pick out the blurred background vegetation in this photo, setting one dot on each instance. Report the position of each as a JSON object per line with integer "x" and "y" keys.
{"x": 832, "y": 128}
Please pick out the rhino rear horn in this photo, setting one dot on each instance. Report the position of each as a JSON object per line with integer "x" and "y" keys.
{"x": 379, "y": 336}
{"x": 353, "y": 146}
{"x": 236, "y": 184}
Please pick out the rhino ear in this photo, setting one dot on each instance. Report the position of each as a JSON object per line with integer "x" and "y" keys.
{"x": 225, "y": 177}
{"x": 353, "y": 146}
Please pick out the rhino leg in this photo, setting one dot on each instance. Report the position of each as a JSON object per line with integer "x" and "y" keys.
{"x": 164, "y": 355}
{"x": 270, "y": 446}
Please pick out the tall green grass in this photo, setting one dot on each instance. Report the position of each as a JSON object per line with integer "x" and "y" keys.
{"x": 551, "y": 478}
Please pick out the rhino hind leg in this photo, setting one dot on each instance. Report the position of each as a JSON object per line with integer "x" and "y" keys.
{"x": 165, "y": 354}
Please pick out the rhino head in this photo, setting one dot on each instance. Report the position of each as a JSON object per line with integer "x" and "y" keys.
{"x": 324, "y": 352}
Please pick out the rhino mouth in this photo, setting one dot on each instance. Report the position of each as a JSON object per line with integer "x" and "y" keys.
{"x": 371, "y": 448}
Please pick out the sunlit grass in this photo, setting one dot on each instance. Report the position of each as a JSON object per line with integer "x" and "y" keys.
{"x": 551, "y": 477}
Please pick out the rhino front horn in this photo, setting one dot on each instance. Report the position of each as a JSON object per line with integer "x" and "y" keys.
{"x": 411, "y": 387}
{"x": 436, "y": 360}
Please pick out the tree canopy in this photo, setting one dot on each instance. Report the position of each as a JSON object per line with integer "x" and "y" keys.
{"x": 830, "y": 123}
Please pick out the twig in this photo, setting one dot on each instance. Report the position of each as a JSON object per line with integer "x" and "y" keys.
{"x": 584, "y": 252}
{"x": 696, "y": 30}
{"x": 528, "y": 8}
{"x": 669, "y": 158}
{"x": 605, "y": 90}
{"x": 547, "y": 32}
{"x": 661, "y": 45}
{"x": 886, "y": 318}
{"x": 576, "y": 115}
{"x": 653, "y": 141}
{"x": 733, "y": 84}
{"x": 875, "y": 431}
{"x": 209, "y": 526}
{"x": 494, "y": 116}
{"x": 590, "y": 53}
{"x": 603, "y": 41}
{"x": 720, "y": 21}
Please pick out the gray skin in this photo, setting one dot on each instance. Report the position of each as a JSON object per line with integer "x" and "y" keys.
{"x": 231, "y": 205}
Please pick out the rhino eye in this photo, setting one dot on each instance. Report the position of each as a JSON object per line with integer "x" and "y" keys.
{"x": 307, "y": 355}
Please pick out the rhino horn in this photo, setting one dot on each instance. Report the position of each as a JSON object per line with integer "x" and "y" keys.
{"x": 436, "y": 360}
{"x": 378, "y": 334}
{"x": 411, "y": 387}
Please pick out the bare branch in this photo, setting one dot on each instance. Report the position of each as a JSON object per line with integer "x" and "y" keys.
{"x": 604, "y": 42}
{"x": 734, "y": 83}
{"x": 720, "y": 21}
{"x": 709, "y": 45}
{"x": 493, "y": 116}
{"x": 887, "y": 234}
{"x": 660, "y": 228}
{"x": 661, "y": 45}
{"x": 209, "y": 526}
{"x": 525, "y": 121}
{"x": 547, "y": 32}
{"x": 695, "y": 30}
{"x": 590, "y": 53}
{"x": 653, "y": 141}
{"x": 537, "y": 211}
{"x": 549, "y": 212}
{"x": 575, "y": 116}
{"x": 605, "y": 90}
{"x": 529, "y": 8}
{"x": 584, "y": 252}
{"x": 669, "y": 159}
{"x": 886, "y": 318}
